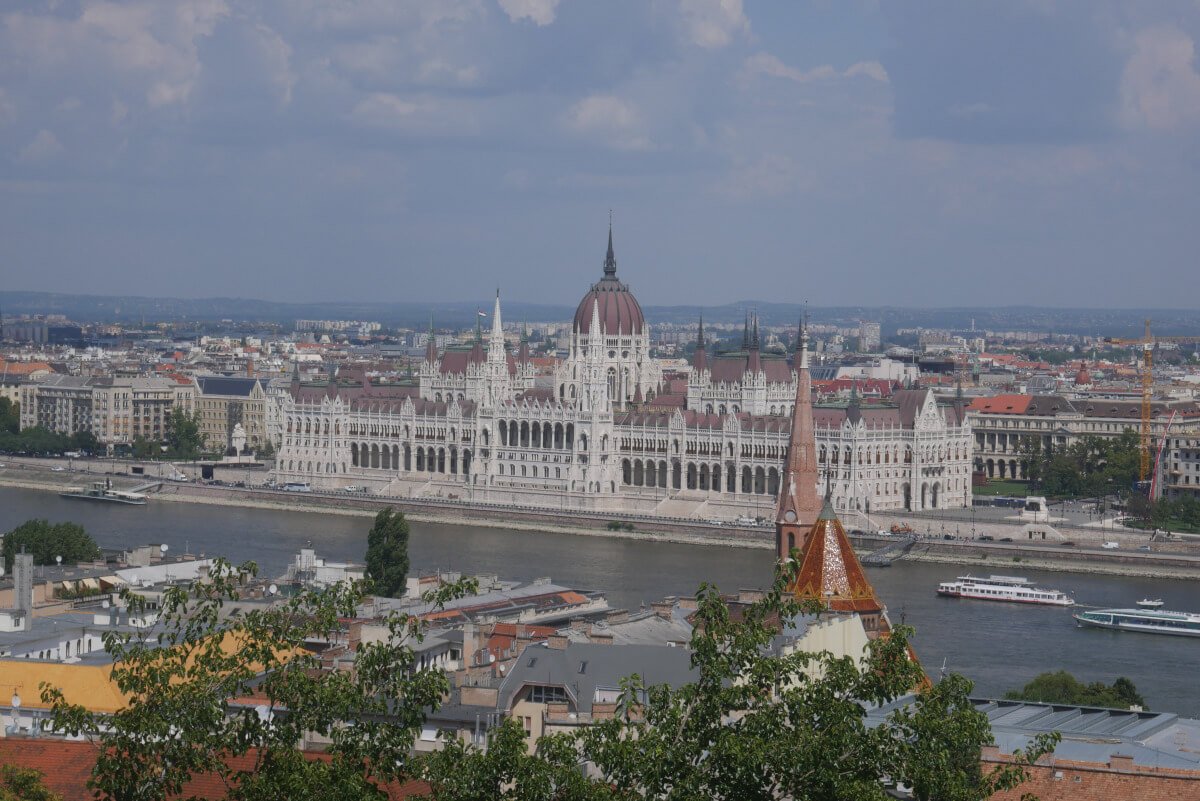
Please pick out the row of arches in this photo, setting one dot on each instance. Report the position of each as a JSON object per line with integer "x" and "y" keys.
{"x": 547, "y": 436}
{"x": 422, "y": 459}
{"x": 706, "y": 476}
{"x": 999, "y": 468}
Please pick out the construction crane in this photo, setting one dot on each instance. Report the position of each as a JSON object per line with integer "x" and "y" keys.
{"x": 1147, "y": 343}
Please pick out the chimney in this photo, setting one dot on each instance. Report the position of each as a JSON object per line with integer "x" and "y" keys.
{"x": 23, "y": 587}
{"x": 557, "y": 641}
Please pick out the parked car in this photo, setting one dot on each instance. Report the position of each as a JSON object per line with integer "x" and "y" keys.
{"x": 1006, "y": 539}
{"x": 1068, "y": 544}
{"x": 1111, "y": 546}
{"x": 1140, "y": 547}
{"x": 987, "y": 538}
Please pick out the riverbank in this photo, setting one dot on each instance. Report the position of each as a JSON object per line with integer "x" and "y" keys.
{"x": 992, "y": 556}
{"x": 415, "y": 511}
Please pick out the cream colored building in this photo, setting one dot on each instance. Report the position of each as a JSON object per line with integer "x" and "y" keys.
{"x": 225, "y": 402}
{"x": 115, "y": 410}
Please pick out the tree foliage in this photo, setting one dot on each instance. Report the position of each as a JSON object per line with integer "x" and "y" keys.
{"x": 1090, "y": 467}
{"x": 184, "y": 438}
{"x": 35, "y": 441}
{"x": 10, "y": 416}
{"x": 47, "y": 540}
{"x": 387, "y": 554}
{"x": 1062, "y": 688}
{"x": 753, "y": 725}
{"x": 24, "y": 784}
{"x": 184, "y": 678}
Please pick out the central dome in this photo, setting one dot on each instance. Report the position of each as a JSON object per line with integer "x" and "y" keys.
{"x": 620, "y": 313}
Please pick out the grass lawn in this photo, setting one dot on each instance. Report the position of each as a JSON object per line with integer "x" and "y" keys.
{"x": 1016, "y": 489}
{"x": 1177, "y": 526}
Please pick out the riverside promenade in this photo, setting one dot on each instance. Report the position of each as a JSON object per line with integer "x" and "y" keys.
{"x": 941, "y": 537}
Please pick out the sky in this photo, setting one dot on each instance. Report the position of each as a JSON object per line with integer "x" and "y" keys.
{"x": 839, "y": 152}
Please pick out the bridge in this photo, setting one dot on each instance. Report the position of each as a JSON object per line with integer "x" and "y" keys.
{"x": 889, "y": 553}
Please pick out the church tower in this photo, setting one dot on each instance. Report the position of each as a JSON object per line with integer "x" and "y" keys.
{"x": 798, "y": 505}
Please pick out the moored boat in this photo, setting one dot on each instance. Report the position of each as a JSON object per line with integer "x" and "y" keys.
{"x": 100, "y": 491}
{"x": 1149, "y": 621}
{"x": 1003, "y": 588}
{"x": 1150, "y": 603}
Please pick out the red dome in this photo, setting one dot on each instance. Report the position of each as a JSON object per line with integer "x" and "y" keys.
{"x": 620, "y": 314}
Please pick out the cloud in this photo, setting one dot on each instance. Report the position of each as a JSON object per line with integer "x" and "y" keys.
{"x": 539, "y": 12}
{"x": 1160, "y": 90}
{"x": 276, "y": 56}
{"x": 117, "y": 113}
{"x": 763, "y": 63}
{"x": 713, "y": 23}
{"x": 608, "y": 118}
{"x": 68, "y": 104}
{"x": 772, "y": 175}
{"x": 43, "y": 146}
{"x": 384, "y": 109}
{"x": 153, "y": 41}
{"x": 423, "y": 115}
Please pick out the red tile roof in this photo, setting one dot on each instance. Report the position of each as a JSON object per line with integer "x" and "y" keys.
{"x": 1001, "y": 404}
{"x": 67, "y": 766}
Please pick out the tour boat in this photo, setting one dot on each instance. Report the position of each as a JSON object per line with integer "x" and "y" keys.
{"x": 99, "y": 491}
{"x": 1151, "y": 621}
{"x": 1150, "y": 603}
{"x": 1003, "y": 588}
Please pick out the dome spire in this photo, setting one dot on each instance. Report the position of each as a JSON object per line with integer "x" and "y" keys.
{"x": 610, "y": 259}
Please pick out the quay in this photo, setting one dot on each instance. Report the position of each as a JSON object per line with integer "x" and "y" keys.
{"x": 1175, "y": 559}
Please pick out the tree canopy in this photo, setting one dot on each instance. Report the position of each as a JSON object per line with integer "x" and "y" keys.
{"x": 184, "y": 438}
{"x": 10, "y": 416}
{"x": 753, "y": 725}
{"x": 387, "y": 554}
{"x": 1062, "y": 688}
{"x": 24, "y": 784}
{"x": 47, "y": 540}
{"x": 1091, "y": 467}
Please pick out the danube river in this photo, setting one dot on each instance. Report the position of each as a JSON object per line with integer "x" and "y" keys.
{"x": 999, "y": 646}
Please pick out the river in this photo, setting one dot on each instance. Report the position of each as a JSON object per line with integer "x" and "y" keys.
{"x": 999, "y": 646}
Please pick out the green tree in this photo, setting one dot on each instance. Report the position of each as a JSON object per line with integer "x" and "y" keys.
{"x": 10, "y": 416}
{"x": 184, "y": 680}
{"x": 184, "y": 438}
{"x": 24, "y": 784}
{"x": 85, "y": 442}
{"x": 753, "y": 725}
{"x": 1062, "y": 688}
{"x": 387, "y": 554}
{"x": 1033, "y": 459}
{"x": 142, "y": 448}
{"x": 47, "y": 540}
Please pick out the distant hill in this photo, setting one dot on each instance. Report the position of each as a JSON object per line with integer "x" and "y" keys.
{"x": 132, "y": 308}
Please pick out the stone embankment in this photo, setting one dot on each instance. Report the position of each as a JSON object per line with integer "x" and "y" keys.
{"x": 1173, "y": 559}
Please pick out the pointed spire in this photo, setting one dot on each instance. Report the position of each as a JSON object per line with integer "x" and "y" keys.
{"x": 431, "y": 343}
{"x": 802, "y": 346}
{"x": 700, "y": 362}
{"x": 523, "y": 350}
{"x": 754, "y": 340}
{"x": 497, "y": 328}
{"x": 610, "y": 259}
{"x": 798, "y": 505}
{"x": 746, "y": 333}
{"x": 478, "y": 328}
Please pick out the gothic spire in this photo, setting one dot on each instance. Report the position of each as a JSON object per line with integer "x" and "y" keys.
{"x": 700, "y": 362}
{"x": 746, "y": 333}
{"x": 700, "y": 332}
{"x": 754, "y": 340}
{"x": 610, "y": 259}
{"x": 798, "y": 504}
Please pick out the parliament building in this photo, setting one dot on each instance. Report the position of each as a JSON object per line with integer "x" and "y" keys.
{"x": 602, "y": 433}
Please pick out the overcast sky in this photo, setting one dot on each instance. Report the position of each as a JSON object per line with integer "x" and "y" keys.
{"x": 840, "y": 152}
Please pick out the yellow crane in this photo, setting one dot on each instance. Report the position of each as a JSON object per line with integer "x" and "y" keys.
{"x": 1147, "y": 343}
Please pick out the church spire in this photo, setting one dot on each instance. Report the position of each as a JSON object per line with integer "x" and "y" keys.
{"x": 754, "y": 340}
{"x": 610, "y": 259}
{"x": 798, "y": 505}
{"x": 746, "y": 333}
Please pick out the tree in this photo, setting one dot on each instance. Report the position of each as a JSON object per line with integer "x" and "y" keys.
{"x": 183, "y": 683}
{"x": 387, "y": 554}
{"x": 24, "y": 784}
{"x": 10, "y": 416}
{"x": 1062, "y": 688}
{"x": 47, "y": 540}
{"x": 753, "y": 725}
{"x": 142, "y": 448}
{"x": 85, "y": 442}
{"x": 184, "y": 438}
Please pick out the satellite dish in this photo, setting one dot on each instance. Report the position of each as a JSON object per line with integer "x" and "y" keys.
{"x": 263, "y": 712}
{"x": 16, "y": 701}
{"x": 163, "y": 548}
{"x": 272, "y": 590}
{"x": 502, "y": 670}
{"x": 491, "y": 659}
{"x": 133, "y": 579}
{"x": 104, "y": 604}
{"x": 58, "y": 560}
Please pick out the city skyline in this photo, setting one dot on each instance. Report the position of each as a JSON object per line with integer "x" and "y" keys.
{"x": 843, "y": 154}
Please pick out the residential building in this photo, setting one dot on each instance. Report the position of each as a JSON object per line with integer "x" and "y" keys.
{"x": 115, "y": 410}
{"x": 1001, "y": 422}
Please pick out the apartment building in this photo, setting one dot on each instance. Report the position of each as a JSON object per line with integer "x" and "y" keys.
{"x": 116, "y": 410}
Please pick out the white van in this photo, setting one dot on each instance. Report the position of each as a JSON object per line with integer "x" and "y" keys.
{"x": 1111, "y": 546}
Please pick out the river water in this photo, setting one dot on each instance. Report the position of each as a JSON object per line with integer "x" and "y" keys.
{"x": 998, "y": 646}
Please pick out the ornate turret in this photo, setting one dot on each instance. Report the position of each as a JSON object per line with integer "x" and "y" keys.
{"x": 700, "y": 363}
{"x": 829, "y": 571}
{"x": 853, "y": 408}
{"x": 523, "y": 351}
{"x": 610, "y": 258}
{"x": 754, "y": 362}
{"x": 431, "y": 344}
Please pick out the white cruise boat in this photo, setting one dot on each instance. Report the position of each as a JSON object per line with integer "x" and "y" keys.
{"x": 1150, "y": 621}
{"x": 1003, "y": 588}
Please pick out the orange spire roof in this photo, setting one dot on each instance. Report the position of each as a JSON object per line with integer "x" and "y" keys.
{"x": 830, "y": 571}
